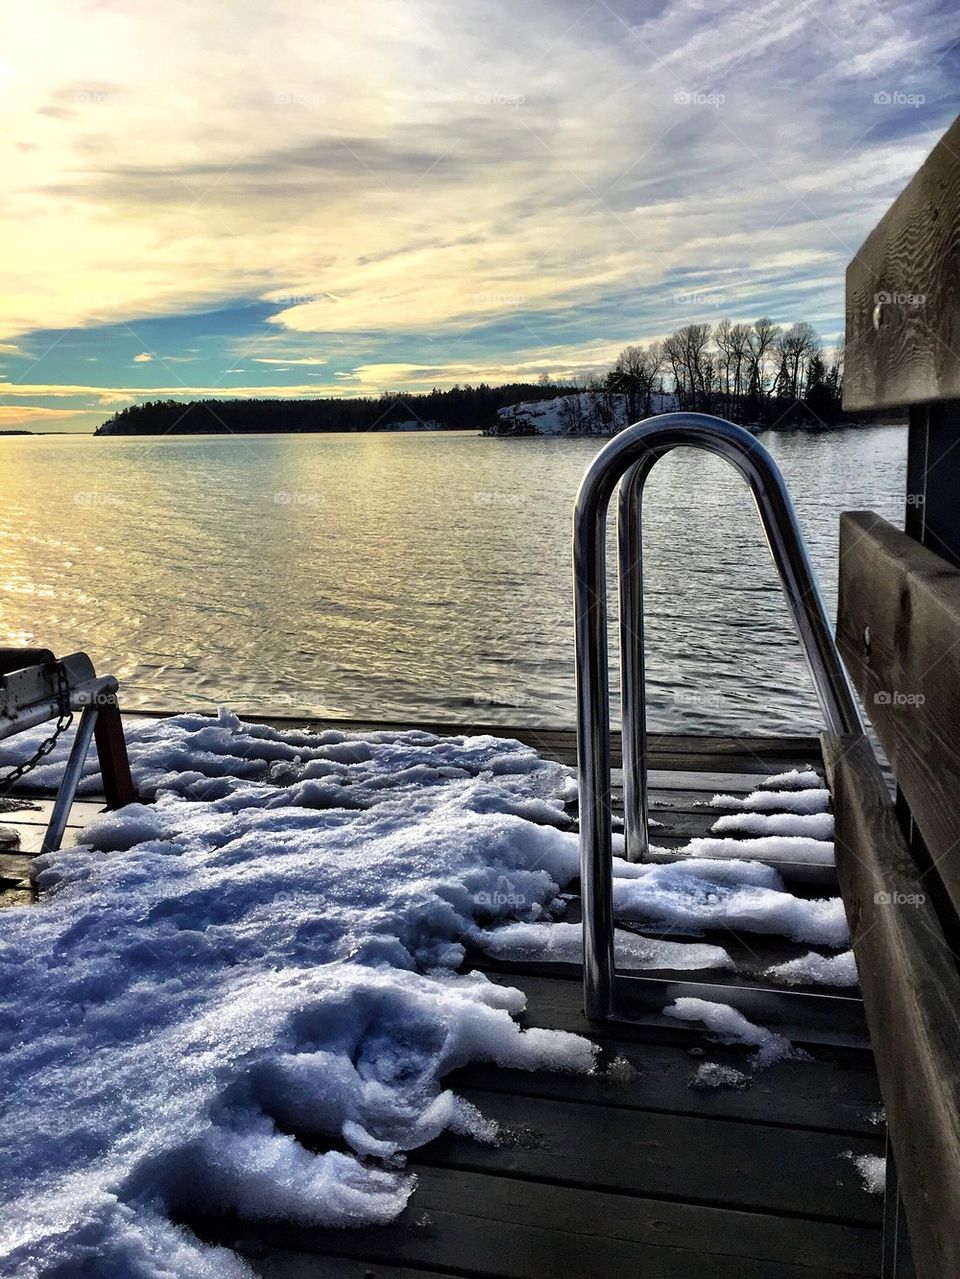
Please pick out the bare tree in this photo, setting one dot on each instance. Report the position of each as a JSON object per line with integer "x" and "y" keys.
{"x": 634, "y": 375}
{"x": 740, "y": 348}
{"x": 795, "y": 348}
{"x": 722, "y": 340}
{"x": 762, "y": 339}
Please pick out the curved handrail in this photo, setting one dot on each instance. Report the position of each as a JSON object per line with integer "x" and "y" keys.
{"x": 632, "y": 454}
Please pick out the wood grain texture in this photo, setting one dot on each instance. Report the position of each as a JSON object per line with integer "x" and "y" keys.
{"x": 819, "y": 1093}
{"x": 898, "y": 627}
{"x": 911, "y": 990}
{"x": 501, "y": 1227}
{"x": 903, "y": 293}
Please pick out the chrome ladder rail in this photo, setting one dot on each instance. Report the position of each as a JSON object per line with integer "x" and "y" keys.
{"x": 628, "y": 459}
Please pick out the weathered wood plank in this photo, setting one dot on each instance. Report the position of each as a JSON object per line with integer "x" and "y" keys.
{"x": 716, "y": 1162}
{"x": 751, "y": 753}
{"x": 903, "y": 293}
{"x": 820, "y": 1094}
{"x": 911, "y": 990}
{"x": 551, "y": 1004}
{"x": 469, "y": 1223}
{"x": 285, "y": 1263}
{"x": 667, "y": 849}
{"x": 898, "y": 627}
{"x": 751, "y": 968}
{"x": 933, "y": 478}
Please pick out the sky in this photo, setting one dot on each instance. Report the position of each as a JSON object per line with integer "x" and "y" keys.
{"x": 232, "y": 197}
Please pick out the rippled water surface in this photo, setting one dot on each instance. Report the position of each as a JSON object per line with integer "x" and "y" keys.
{"x": 408, "y": 577}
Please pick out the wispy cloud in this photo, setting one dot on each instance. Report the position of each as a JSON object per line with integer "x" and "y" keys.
{"x": 509, "y": 186}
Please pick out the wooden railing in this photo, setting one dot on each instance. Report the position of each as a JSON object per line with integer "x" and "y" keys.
{"x": 898, "y": 628}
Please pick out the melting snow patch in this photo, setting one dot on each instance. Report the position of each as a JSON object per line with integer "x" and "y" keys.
{"x": 872, "y": 1170}
{"x": 271, "y": 947}
{"x": 812, "y": 825}
{"x": 698, "y": 894}
{"x": 814, "y": 800}
{"x": 563, "y": 943}
{"x": 817, "y": 970}
{"x": 731, "y": 1027}
{"x": 785, "y": 848}
{"x": 795, "y": 779}
{"x": 268, "y": 948}
{"x": 714, "y": 1075}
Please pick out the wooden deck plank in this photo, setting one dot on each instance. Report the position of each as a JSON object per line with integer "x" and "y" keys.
{"x": 31, "y": 836}
{"x": 751, "y": 969}
{"x": 898, "y": 626}
{"x": 820, "y": 1094}
{"x": 470, "y": 1224}
{"x": 749, "y": 752}
{"x": 712, "y": 1162}
{"x": 552, "y": 1005}
{"x": 630, "y": 1170}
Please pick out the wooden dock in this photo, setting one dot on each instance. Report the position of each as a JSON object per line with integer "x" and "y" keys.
{"x": 630, "y": 1171}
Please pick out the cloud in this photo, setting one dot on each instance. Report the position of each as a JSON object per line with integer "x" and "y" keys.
{"x": 27, "y": 415}
{"x": 526, "y": 171}
{"x": 269, "y": 359}
{"x": 143, "y": 358}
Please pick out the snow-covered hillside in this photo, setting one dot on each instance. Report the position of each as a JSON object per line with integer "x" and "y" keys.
{"x": 587, "y": 413}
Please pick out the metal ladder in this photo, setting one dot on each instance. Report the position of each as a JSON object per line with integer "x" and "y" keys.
{"x": 628, "y": 459}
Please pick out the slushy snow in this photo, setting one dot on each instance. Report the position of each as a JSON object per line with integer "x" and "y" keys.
{"x": 809, "y": 800}
{"x": 269, "y": 947}
{"x": 272, "y": 947}
{"x": 812, "y": 825}
{"x": 794, "y": 779}
{"x": 817, "y": 970}
{"x": 731, "y": 1027}
{"x": 563, "y": 943}
{"x": 872, "y": 1170}
{"x": 701, "y": 893}
{"x": 787, "y": 848}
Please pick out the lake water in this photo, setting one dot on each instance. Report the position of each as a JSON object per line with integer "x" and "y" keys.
{"x": 408, "y": 577}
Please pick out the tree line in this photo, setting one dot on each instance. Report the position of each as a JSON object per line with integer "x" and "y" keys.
{"x": 759, "y": 372}
{"x": 459, "y": 406}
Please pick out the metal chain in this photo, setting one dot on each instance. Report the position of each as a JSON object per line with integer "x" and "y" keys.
{"x": 64, "y": 720}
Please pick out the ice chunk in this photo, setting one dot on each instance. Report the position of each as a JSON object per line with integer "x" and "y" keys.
{"x": 563, "y": 943}
{"x": 813, "y": 800}
{"x": 817, "y": 970}
{"x": 776, "y": 801}
{"x": 702, "y": 894}
{"x": 730, "y": 1026}
{"x": 811, "y": 825}
{"x": 872, "y": 1170}
{"x": 711, "y": 1074}
{"x": 794, "y": 779}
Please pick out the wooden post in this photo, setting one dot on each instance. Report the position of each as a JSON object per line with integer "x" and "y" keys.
{"x": 118, "y": 785}
{"x": 899, "y": 631}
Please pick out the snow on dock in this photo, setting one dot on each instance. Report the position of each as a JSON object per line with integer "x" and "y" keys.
{"x": 331, "y": 978}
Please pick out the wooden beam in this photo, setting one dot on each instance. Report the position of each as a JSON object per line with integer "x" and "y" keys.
{"x": 933, "y": 478}
{"x": 911, "y": 991}
{"x": 898, "y": 627}
{"x": 903, "y": 293}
